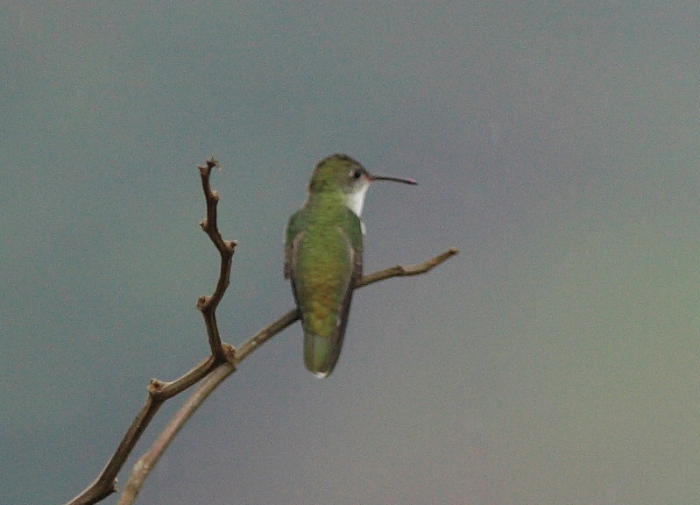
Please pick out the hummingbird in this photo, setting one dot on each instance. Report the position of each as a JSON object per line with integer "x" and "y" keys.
{"x": 323, "y": 255}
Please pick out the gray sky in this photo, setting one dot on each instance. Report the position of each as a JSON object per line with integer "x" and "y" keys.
{"x": 553, "y": 362}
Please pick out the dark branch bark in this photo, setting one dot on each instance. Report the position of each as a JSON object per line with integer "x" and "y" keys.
{"x": 207, "y": 304}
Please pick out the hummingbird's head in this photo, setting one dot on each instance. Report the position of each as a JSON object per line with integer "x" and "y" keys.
{"x": 341, "y": 173}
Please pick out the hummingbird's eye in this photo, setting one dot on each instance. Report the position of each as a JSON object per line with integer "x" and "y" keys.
{"x": 356, "y": 174}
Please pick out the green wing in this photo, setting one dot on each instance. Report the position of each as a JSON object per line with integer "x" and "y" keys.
{"x": 294, "y": 228}
{"x": 324, "y": 267}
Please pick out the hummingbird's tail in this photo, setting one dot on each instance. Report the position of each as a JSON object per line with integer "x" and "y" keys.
{"x": 321, "y": 352}
{"x": 324, "y": 322}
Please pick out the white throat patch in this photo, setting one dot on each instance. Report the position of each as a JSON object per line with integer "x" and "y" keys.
{"x": 356, "y": 200}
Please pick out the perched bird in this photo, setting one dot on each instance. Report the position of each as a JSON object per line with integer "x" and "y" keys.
{"x": 323, "y": 255}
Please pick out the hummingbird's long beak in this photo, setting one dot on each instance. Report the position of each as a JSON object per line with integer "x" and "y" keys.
{"x": 395, "y": 179}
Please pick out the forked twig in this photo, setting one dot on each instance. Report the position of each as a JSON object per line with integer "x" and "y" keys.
{"x": 160, "y": 391}
{"x": 207, "y": 304}
{"x": 214, "y": 369}
{"x": 148, "y": 461}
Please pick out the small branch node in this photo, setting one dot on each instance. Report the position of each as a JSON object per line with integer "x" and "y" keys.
{"x": 202, "y": 302}
{"x": 204, "y": 224}
{"x": 156, "y": 386}
{"x": 229, "y": 353}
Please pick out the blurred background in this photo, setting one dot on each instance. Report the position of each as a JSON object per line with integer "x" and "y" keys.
{"x": 553, "y": 362}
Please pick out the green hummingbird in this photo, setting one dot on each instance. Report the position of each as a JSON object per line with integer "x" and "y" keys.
{"x": 323, "y": 255}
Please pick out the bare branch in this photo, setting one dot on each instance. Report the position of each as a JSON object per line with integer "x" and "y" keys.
{"x": 401, "y": 271}
{"x": 266, "y": 334}
{"x": 159, "y": 391}
{"x": 214, "y": 369}
{"x": 106, "y": 482}
{"x": 290, "y": 317}
{"x": 147, "y": 462}
{"x": 143, "y": 466}
{"x": 207, "y": 304}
